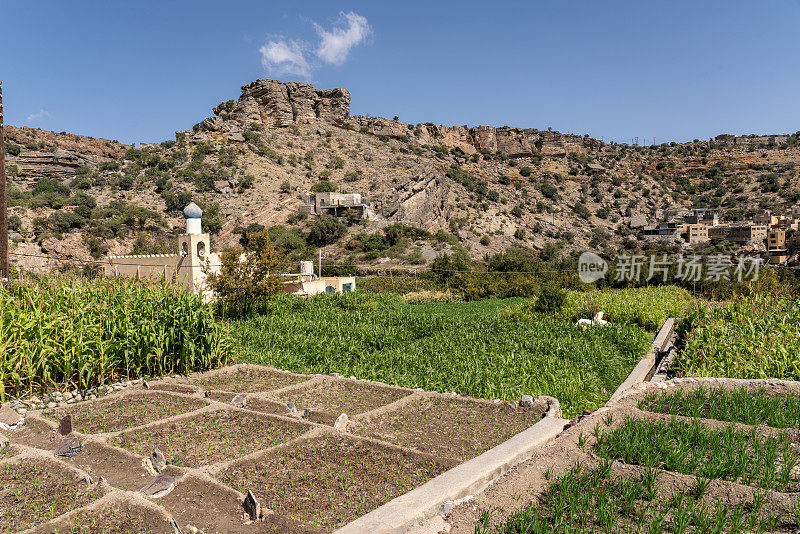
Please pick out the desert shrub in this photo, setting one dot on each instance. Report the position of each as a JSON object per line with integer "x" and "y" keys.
{"x": 77, "y": 333}
{"x": 324, "y": 186}
{"x": 246, "y": 182}
{"x": 549, "y": 191}
{"x": 13, "y": 150}
{"x": 251, "y": 137}
{"x": 14, "y": 222}
{"x": 525, "y": 171}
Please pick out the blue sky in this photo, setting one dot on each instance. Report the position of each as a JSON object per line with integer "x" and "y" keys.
{"x": 678, "y": 70}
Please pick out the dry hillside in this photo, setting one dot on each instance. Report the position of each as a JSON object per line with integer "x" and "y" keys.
{"x": 475, "y": 190}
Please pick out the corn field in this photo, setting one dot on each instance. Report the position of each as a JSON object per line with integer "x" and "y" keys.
{"x": 79, "y": 333}
{"x": 749, "y": 337}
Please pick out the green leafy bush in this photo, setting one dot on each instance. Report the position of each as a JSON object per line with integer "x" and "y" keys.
{"x": 326, "y": 230}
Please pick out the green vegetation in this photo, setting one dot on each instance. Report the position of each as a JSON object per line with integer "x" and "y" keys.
{"x": 749, "y": 337}
{"x": 83, "y": 333}
{"x": 739, "y": 405}
{"x": 592, "y": 500}
{"x": 647, "y": 307}
{"x": 247, "y": 275}
{"x": 463, "y": 347}
{"x": 693, "y": 449}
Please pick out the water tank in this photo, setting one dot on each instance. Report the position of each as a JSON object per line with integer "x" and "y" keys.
{"x": 307, "y": 267}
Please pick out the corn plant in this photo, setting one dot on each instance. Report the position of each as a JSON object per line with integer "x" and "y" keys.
{"x": 79, "y": 333}
{"x": 749, "y": 337}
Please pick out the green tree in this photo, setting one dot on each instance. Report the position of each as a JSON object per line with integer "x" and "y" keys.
{"x": 248, "y": 275}
{"x": 326, "y": 230}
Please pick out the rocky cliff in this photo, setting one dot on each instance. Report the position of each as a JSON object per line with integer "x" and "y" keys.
{"x": 274, "y": 104}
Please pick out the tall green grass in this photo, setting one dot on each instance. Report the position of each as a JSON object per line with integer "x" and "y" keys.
{"x": 752, "y": 337}
{"x": 82, "y": 333}
{"x": 647, "y": 307}
{"x": 464, "y": 347}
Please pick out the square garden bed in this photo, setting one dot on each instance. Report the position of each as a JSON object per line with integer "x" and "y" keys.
{"x": 451, "y": 427}
{"x": 330, "y": 398}
{"x": 35, "y": 491}
{"x": 332, "y": 479}
{"x": 116, "y": 517}
{"x": 210, "y": 437}
{"x": 257, "y": 404}
{"x": 126, "y": 411}
{"x": 248, "y": 380}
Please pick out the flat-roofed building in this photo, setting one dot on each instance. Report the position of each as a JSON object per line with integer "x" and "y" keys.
{"x": 696, "y": 233}
{"x": 747, "y": 233}
{"x": 776, "y": 239}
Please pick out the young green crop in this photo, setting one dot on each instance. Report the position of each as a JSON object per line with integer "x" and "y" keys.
{"x": 462, "y": 347}
{"x": 753, "y": 337}
{"x": 738, "y": 405}
{"x": 583, "y": 500}
{"x": 82, "y": 333}
{"x": 692, "y": 448}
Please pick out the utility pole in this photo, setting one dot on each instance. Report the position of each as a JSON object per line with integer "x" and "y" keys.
{"x": 4, "y": 272}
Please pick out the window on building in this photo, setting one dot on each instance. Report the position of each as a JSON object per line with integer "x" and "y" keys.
{"x": 330, "y": 289}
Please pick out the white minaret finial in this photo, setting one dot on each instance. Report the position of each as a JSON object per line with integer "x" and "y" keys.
{"x": 193, "y": 215}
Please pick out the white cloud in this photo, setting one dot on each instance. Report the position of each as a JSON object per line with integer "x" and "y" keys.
{"x": 38, "y": 115}
{"x": 350, "y": 30}
{"x": 285, "y": 57}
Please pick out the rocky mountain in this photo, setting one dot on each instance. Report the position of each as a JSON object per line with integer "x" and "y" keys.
{"x": 469, "y": 190}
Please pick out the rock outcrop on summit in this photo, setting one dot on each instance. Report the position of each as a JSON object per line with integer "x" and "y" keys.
{"x": 275, "y": 104}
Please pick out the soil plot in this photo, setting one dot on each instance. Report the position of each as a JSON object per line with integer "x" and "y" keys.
{"x": 331, "y": 480}
{"x": 128, "y": 411}
{"x": 453, "y": 428}
{"x": 210, "y": 437}
{"x": 331, "y": 398}
{"x": 114, "y": 518}
{"x": 256, "y": 404}
{"x": 32, "y": 492}
{"x": 249, "y": 380}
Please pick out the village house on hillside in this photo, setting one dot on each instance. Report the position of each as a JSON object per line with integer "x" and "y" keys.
{"x": 194, "y": 260}
{"x": 776, "y": 236}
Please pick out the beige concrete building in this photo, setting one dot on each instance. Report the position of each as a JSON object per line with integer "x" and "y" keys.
{"x": 306, "y": 283}
{"x": 337, "y": 204}
{"x": 765, "y": 219}
{"x": 776, "y": 239}
{"x": 696, "y": 233}
{"x": 747, "y": 233}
